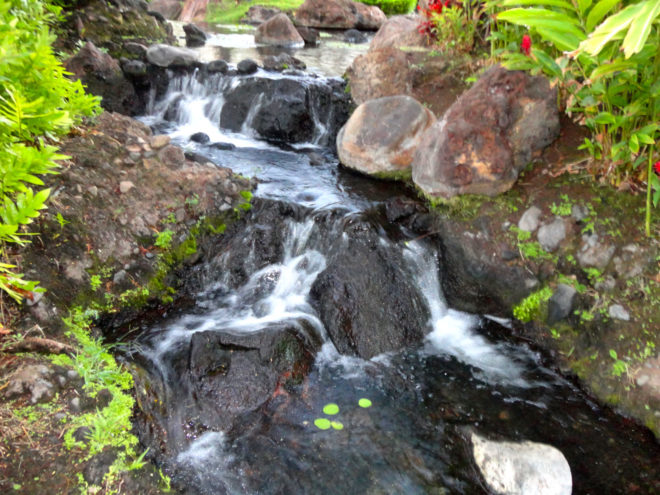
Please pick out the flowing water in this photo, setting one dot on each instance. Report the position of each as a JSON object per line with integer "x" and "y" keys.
{"x": 224, "y": 415}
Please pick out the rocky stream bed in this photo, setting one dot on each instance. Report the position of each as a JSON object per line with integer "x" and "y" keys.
{"x": 317, "y": 327}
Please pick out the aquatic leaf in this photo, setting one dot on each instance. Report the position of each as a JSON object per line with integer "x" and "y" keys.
{"x": 364, "y": 403}
{"x": 322, "y": 423}
{"x": 331, "y": 409}
{"x": 337, "y": 425}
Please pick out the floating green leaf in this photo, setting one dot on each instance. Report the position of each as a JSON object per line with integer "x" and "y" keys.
{"x": 331, "y": 409}
{"x": 322, "y": 423}
{"x": 337, "y": 425}
{"x": 364, "y": 403}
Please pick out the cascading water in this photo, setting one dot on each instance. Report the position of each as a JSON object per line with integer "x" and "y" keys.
{"x": 231, "y": 391}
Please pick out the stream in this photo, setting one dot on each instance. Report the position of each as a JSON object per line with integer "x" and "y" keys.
{"x": 313, "y": 299}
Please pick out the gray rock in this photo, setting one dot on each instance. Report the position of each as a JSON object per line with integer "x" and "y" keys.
{"x": 217, "y": 66}
{"x": 194, "y": 36}
{"x": 579, "y": 212}
{"x": 75, "y": 405}
{"x": 593, "y": 253}
{"x": 529, "y": 221}
{"x": 119, "y": 277}
{"x": 171, "y": 56}
{"x": 310, "y": 35}
{"x": 607, "y": 284}
{"x": 33, "y": 379}
{"x": 136, "y": 49}
{"x": 561, "y": 303}
{"x": 373, "y": 143}
{"x": 631, "y": 262}
{"x": 135, "y": 69}
{"x": 552, "y": 234}
{"x": 354, "y": 36}
{"x": 522, "y": 468}
{"x": 618, "y": 312}
{"x": 247, "y": 66}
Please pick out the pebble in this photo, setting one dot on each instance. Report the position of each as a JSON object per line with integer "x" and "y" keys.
{"x": 529, "y": 221}
{"x": 642, "y": 380}
{"x": 159, "y": 141}
{"x": 125, "y": 186}
{"x": 618, "y": 312}
{"x": 579, "y": 212}
{"x": 551, "y": 234}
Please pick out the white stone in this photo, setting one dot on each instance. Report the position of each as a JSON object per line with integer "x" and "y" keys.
{"x": 522, "y": 468}
{"x": 529, "y": 221}
{"x": 125, "y": 186}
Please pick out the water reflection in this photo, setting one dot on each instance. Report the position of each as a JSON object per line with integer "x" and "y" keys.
{"x": 234, "y": 43}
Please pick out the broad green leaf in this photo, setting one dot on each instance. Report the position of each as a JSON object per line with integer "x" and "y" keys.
{"x": 641, "y": 27}
{"x": 583, "y": 5}
{"x": 604, "y": 118}
{"x": 547, "y": 62}
{"x": 531, "y": 17}
{"x": 633, "y": 143}
{"x": 598, "y": 13}
{"x": 552, "y": 3}
{"x": 611, "y": 68}
{"x": 611, "y": 29}
{"x": 563, "y": 41}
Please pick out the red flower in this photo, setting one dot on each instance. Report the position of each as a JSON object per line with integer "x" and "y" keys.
{"x": 656, "y": 168}
{"x": 526, "y": 45}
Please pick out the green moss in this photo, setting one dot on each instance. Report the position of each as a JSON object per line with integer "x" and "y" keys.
{"x": 400, "y": 175}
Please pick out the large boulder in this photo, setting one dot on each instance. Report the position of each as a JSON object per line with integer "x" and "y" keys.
{"x": 171, "y": 56}
{"x": 169, "y": 9}
{"x": 339, "y": 14}
{"x": 399, "y": 31}
{"x": 103, "y": 77}
{"x": 279, "y": 31}
{"x": 287, "y": 109}
{"x": 381, "y": 136}
{"x": 366, "y": 297}
{"x": 426, "y": 76}
{"x": 488, "y": 136}
{"x": 522, "y": 468}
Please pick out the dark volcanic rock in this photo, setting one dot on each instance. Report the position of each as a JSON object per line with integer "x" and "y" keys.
{"x": 200, "y": 137}
{"x": 103, "y": 77}
{"x": 354, "y": 36}
{"x": 217, "y": 66}
{"x": 247, "y": 66}
{"x": 283, "y": 61}
{"x": 194, "y": 36}
{"x": 366, "y": 297}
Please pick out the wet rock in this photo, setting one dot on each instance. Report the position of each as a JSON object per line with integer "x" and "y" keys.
{"x": 594, "y": 253}
{"x": 339, "y": 14}
{"x": 282, "y": 62}
{"x": 171, "y": 56}
{"x": 247, "y": 66}
{"x": 137, "y": 50}
{"x": 363, "y": 277}
{"x": 311, "y": 36}
{"x": 103, "y": 77}
{"x": 194, "y": 36}
{"x": 135, "y": 69}
{"x": 522, "y": 468}
{"x": 217, "y": 67}
{"x": 279, "y": 31}
{"x": 169, "y": 9}
{"x": 561, "y": 303}
{"x": 223, "y": 146}
{"x": 98, "y": 466}
{"x": 399, "y": 208}
{"x": 287, "y": 108}
{"x": 529, "y": 221}
{"x": 200, "y": 137}
{"x": 488, "y": 136}
{"x": 373, "y": 143}
{"x": 258, "y": 14}
{"x": 552, "y": 234}
{"x": 33, "y": 379}
{"x": 355, "y": 36}
{"x": 618, "y": 312}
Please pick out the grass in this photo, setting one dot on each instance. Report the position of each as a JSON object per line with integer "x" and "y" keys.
{"x": 229, "y": 12}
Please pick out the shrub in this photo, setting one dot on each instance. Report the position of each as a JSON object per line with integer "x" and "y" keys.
{"x": 37, "y": 104}
{"x": 392, "y": 7}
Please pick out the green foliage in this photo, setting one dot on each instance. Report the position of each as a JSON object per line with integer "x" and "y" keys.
{"x": 392, "y": 7}
{"x": 110, "y": 426}
{"x": 564, "y": 208}
{"x": 604, "y": 56}
{"x": 533, "y": 306}
{"x": 619, "y": 367}
{"x": 37, "y": 101}
{"x": 459, "y": 27}
{"x": 164, "y": 239}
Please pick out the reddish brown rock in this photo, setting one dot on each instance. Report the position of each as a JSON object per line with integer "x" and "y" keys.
{"x": 488, "y": 136}
{"x": 339, "y": 14}
{"x": 279, "y": 31}
{"x": 399, "y": 31}
{"x": 169, "y": 9}
{"x": 381, "y": 136}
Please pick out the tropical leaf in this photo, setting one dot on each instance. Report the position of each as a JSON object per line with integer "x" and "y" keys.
{"x": 612, "y": 29}
{"x": 598, "y": 13}
{"x": 640, "y": 28}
